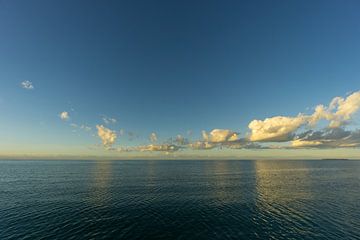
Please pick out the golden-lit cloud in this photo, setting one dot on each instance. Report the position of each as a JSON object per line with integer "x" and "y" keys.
{"x": 276, "y": 129}
{"x": 337, "y": 114}
{"x": 219, "y": 135}
{"x": 343, "y": 109}
{"x": 282, "y": 128}
{"x": 107, "y": 136}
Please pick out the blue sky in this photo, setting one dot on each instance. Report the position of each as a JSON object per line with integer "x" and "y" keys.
{"x": 170, "y": 67}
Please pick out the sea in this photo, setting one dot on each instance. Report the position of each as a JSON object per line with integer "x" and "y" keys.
{"x": 179, "y": 199}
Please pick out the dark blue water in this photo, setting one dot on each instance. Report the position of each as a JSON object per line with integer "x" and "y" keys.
{"x": 179, "y": 200}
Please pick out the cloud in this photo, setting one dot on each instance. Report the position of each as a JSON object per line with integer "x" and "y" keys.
{"x": 153, "y": 137}
{"x": 219, "y": 135}
{"x": 132, "y": 135}
{"x": 243, "y": 143}
{"x": 108, "y": 120}
{"x": 343, "y": 109}
{"x": 201, "y": 145}
{"x": 107, "y": 136}
{"x": 82, "y": 127}
{"x": 159, "y": 148}
{"x": 180, "y": 140}
{"x": 121, "y": 132}
{"x": 64, "y": 116}
{"x": 327, "y": 138}
{"x": 213, "y": 139}
{"x": 337, "y": 113}
{"x": 85, "y": 128}
{"x": 27, "y": 85}
{"x": 282, "y": 129}
{"x": 276, "y": 129}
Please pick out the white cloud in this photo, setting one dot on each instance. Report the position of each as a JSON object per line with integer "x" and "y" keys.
{"x": 64, "y": 116}
{"x": 153, "y": 137}
{"x": 27, "y": 85}
{"x": 107, "y": 136}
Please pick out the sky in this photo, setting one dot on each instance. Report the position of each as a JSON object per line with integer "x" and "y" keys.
{"x": 179, "y": 79}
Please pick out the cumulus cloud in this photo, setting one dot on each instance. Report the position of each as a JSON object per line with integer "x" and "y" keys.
{"x": 276, "y": 129}
{"x": 153, "y": 137}
{"x": 281, "y": 128}
{"x": 107, "y": 136}
{"x": 213, "y": 139}
{"x": 337, "y": 113}
{"x": 343, "y": 109}
{"x": 327, "y": 138}
{"x": 27, "y": 85}
{"x": 64, "y": 116}
{"x": 219, "y": 135}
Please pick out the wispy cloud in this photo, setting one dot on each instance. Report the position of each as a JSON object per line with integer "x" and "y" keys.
{"x": 27, "y": 85}
{"x": 82, "y": 127}
{"x": 109, "y": 120}
{"x": 159, "y": 148}
{"x": 201, "y": 145}
{"x": 153, "y": 137}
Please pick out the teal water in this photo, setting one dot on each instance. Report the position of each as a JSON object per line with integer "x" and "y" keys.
{"x": 179, "y": 199}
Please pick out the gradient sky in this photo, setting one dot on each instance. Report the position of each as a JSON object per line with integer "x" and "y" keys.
{"x": 176, "y": 67}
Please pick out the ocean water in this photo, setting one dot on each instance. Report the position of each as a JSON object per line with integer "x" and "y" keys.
{"x": 180, "y": 199}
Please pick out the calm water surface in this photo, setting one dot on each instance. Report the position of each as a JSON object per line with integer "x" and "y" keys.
{"x": 179, "y": 200}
